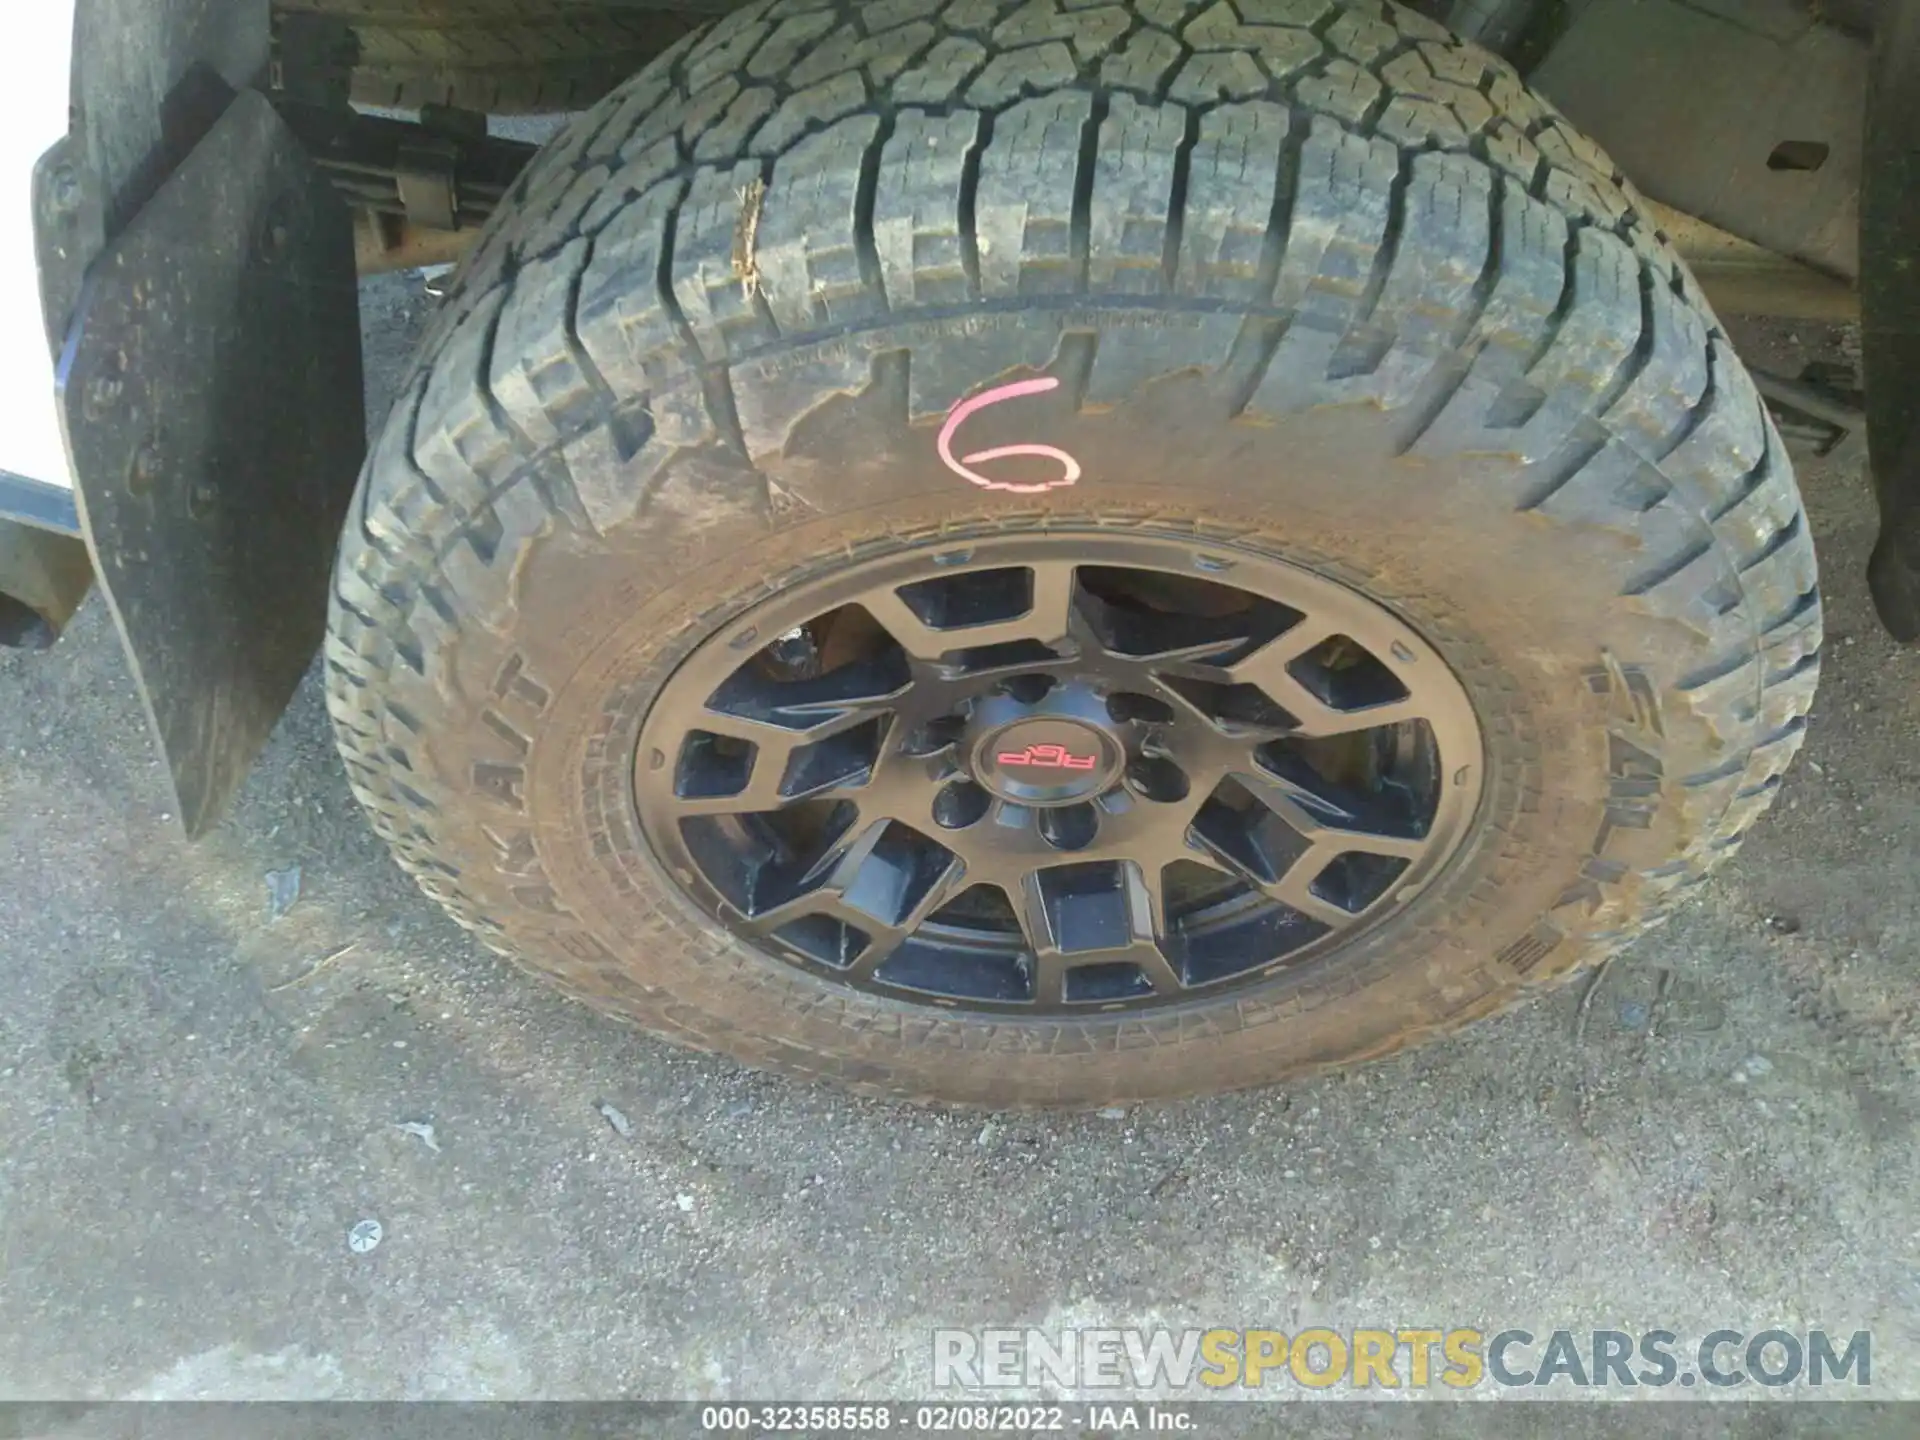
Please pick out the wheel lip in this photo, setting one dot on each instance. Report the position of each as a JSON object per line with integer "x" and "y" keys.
{"x": 719, "y": 655}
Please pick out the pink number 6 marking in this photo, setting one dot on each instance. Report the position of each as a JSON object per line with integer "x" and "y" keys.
{"x": 1069, "y": 467}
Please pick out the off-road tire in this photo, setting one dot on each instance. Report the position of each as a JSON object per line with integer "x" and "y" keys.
{"x": 498, "y": 57}
{"x": 705, "y": 348}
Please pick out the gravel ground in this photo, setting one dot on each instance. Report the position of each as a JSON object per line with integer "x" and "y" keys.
{"x": 199, "y": 1102}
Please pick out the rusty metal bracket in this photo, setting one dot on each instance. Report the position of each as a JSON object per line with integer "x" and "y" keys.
{"x": 420, "y": 192}
{"x": 424, "y": 177}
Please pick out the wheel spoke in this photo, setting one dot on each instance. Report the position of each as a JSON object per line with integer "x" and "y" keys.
{"x": 1306, "y": 813}
{"x": 790, "y": 766}
{"x": 1163, "y": 836}
{"x": 1362, "y": 842}
{"x": 1319, "y": 720}
{"x": 818, "y": 885}
{"x": 1197, "y": 664}
{"x": 1295, "y": 890}
{"x": 1155, "y": 967}
{"x": 1322, "y": 722}
{"x": 754, "y": 800}
{"x": 1029, "y": 907}
{"x": 1285, "y": 851}
{"x": 1285, "y": 648}
{"x": 1286, "y": 879}
{"x": 1043, "y": 949}
{"x": 887, "y": 938}
{"x": 1157, "y": 635}
{"x": 772, "y": 737}
{"x": 1187, "y": 710}
{"x": 1198, "y": 852}
{"x": 1200, "y": 657}
{"x": 1047, "y": 620}
{"x": 919, "y": 639}
{"x": 1302, "y": 809}
{"x": 1051, "y": 618}
{"x": 1147, "y": 916}
{"x": 820, "y": 900}
{"x": 1269, "y": 670}
{"x": 1117, "y": 923}
{"x": 860, "y": 688}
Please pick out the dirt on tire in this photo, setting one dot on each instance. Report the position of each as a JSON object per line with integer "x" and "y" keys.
{"x": 1312, "y": 278}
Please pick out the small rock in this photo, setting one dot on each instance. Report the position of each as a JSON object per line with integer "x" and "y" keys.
{"x": 364, "y": 1236}
{"x": 1114, "y": 1112}
{"x": 685, "y": 1202}
{"x": 1739, "y": 1077}
{"x": 283, "y": 889}
{"x": 1759, "y": 1065}
{"x": 423, "y": 1131}
{"x": 1783, "y": 924}
{"x": 622, "y": 1126}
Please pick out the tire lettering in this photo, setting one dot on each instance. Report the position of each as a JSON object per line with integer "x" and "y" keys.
{"x": 1069, "y": 467}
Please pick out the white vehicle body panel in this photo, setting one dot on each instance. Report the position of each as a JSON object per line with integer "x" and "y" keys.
{"x": 36, "y": 68}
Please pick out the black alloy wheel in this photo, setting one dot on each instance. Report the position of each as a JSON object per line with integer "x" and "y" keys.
{"x": 1058, "y": 772}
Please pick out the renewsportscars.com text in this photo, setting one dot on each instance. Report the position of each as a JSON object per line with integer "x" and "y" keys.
{"x": 1405, "y": 1357}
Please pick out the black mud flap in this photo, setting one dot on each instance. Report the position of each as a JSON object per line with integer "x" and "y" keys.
{"x": 211, "y": 391}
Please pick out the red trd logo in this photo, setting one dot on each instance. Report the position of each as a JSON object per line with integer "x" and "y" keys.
{"x": 1047, "y": 757}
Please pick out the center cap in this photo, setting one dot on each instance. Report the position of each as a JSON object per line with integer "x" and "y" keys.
{"x": 1047, "y": 760}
